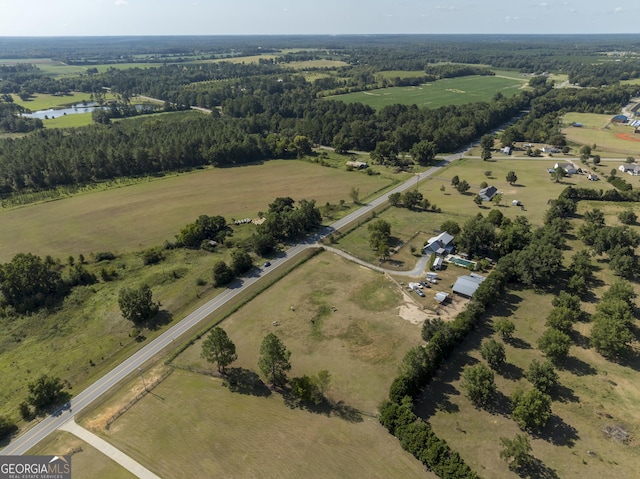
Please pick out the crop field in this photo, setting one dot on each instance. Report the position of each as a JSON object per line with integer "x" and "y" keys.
{"x": 158, "y": 208}
{"x": 208, "y": 431}
{"x": 453, "y": 91}
{"x": 310, "y": 64}
{"x": 593, "y": 393}
{"x": 611, "y": 139}
{"x": 86, "y": 461}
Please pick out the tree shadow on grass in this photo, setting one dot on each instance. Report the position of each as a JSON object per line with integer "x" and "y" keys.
{"x": 536, "y": 469}
{"x": 578, "y": 367}
{"x": 518, "y": 343}
{"x": 564, "y": 394}
{"x": 245, "y": 381}
{"x": 510, "y": 371}
{"x": 498, "y": 405}
{"x": 579, "y": 339}
{"x": 326, "y": 408}
{"x": 163, "y": 318}
{"x": 558, "y": 432}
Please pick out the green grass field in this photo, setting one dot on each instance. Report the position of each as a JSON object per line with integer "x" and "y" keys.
{"x": 611, "y": 139}
{"x": 208, "y": 431}
{"x": 454, "y": 91}
{"x": 593, "y": 393}
{"x": 86, "y": 461}
{"x": 104, "y": 220}
{"x": 353, "y": 332}
{"x": 41, "y": 101}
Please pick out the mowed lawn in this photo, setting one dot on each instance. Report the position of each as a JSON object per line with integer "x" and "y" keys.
{"x": 192, "y": 426}
{"x": 154, "y": 210}
{"x": 41, "y": 101}
{"x": 86, "y": 461}
{"x": 533, "y": 189}
{"x": 610, "y": 139}
{"x": 331, "y": 314}
{"x": 453, "y": 91}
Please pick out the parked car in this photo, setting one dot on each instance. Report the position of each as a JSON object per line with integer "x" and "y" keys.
{"x": 267, "y": 264}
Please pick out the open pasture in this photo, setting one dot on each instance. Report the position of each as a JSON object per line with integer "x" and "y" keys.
{"x": 208, "y": 431}
{"x": 592, "y": 394}
{"x": 154, "y": 210}
{"x": 42, "y": 101}
{"x": 453, "y": 91}
{"x": 611, "y": 139}
{"x": 331, "y": 314}
{"x": 86, "y": 461}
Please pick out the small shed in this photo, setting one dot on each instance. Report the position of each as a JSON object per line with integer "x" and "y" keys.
{"x": 441, "y": 297}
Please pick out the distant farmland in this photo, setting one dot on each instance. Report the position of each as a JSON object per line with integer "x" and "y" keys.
{"x": 453, "y": 91}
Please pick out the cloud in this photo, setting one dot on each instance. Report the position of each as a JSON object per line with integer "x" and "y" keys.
{"x": 447, "y": 7}
{"x": 121, "y": 2}
{"x": 617, "y": 9}
{"x": 511, "y": 19}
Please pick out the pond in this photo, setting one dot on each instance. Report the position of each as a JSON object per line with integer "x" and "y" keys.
{"x": 75, "y": 109}
{"x": 55, "y": 112}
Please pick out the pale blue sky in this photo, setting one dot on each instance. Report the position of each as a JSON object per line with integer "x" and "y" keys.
{"x": 224, "y": 17}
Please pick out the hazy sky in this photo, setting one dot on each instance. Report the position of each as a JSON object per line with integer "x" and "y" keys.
{"x": 223, "y": 17}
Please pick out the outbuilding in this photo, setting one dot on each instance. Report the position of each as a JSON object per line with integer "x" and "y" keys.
{"x": 467, "y": 285}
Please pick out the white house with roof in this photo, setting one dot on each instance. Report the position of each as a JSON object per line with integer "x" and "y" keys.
{"x": 569, "y": 168}
{"x": 440, "y": 245}
{"x": 633, "y": 170}
{"x": 488, "y": 193}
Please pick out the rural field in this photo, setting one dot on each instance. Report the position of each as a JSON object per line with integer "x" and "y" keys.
{"x": 453, "y": 91}
{"x": 86, "y": 461}
{"x": 612, "y": 140}
{"x": 593, "y": 393}
{"x": 41, "y": 101}
{"x": 356, "y": 333}
{"x": 533, "y": 189}
{"x": 208, "y": 431}
{"x": 102, "y": 220}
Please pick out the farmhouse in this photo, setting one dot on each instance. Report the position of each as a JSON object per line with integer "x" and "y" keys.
{"x": 569, "y": 168}
{"x": 488, "y": 193}
{"x": 633, "y": 170}
{"x": 440, "y": 245}
{"x": 467, "y": 285}
{"x": 550, "y": 149}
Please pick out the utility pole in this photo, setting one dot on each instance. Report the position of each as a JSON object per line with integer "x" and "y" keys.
{"x": 142, "y": 376}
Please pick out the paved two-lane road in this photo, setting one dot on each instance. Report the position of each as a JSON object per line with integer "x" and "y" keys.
{"x": 33, "y": 436}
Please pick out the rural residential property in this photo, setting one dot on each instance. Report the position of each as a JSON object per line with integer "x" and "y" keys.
{"x": 232, "y": 249}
